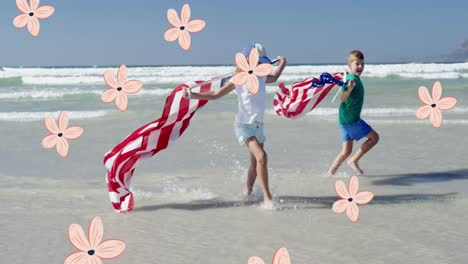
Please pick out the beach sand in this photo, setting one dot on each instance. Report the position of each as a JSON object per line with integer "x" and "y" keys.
{"x": 189, "y": 201}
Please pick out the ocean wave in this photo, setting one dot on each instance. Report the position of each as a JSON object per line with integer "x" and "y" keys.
{"x": 46, "y": 94}
{"x": 35, "y": 116}
{"x": 80, "y": 76}
{"x": 95, "y": 80}
{"x": 54, "y": 94}
{"x": 180, "y": 74}
{"x": 11, "y": 81}
{"x": 374, "y": 112}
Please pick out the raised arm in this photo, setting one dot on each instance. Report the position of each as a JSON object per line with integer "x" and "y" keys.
{"x": 344, "y": 96}
{"x": 211, "y": 95}
{"x": 273, "y": 77}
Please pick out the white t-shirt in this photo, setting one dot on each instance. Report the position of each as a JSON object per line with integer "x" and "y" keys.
{"x": 251, "y": 106}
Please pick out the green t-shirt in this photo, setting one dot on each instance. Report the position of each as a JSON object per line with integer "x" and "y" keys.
{"x": 350, "y": 110}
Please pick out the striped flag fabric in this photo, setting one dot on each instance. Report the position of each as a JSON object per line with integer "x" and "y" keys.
{"x": 304, "y": 96}
{"x": 149, "y": 139}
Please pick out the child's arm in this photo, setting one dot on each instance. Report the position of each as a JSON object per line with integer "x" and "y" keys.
{"x": 273, "y": 77}
{"x": 211, "y": 95}
{"x": 344, "y": 96}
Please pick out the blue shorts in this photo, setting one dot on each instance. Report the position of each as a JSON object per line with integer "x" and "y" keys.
{"x": 245, "y": 131}
{"x": 355, "y": 131}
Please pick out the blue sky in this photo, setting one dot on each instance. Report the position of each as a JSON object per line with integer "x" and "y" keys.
{"x": 114, "y": 32}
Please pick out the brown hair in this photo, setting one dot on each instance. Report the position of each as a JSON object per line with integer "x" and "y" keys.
{"x": 355, "y": 55}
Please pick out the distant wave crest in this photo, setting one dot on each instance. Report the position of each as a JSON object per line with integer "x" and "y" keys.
{"x": 11, "y": 81}
{"x": 45, "y": 94}
{"x": 34, "y": 116}
{"x": 171, "y": 75}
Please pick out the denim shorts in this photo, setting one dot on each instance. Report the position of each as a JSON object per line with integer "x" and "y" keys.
{"x": 355, "y": 131}
{"x": 245, "y": 131}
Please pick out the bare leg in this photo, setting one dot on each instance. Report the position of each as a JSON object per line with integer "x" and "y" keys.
{"x": 346, "y": 150}
{"x": 372, "y": 139}
{"x": 251, "y": 174}
{"x": 256, "y": 149}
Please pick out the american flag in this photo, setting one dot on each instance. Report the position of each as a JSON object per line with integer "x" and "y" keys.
{"x": 149, "y": 139}
{"x": 304, "y": 96}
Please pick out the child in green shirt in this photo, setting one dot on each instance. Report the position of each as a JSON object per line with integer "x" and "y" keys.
{"x": 351, "y": 124}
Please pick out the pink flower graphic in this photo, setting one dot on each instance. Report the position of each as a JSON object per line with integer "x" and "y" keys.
{"x": 281, "y": 256}
{"x": 93, "y": 250}
{"x": 351, "y": 198}
{"x": 434, "y": 105}
{"x": 31, "y": 15}
{"x": 60, "y": 133}
{"x": 118, "y": 89}
{"x": 250, "y": 70}
{"x": 182, "y": 27}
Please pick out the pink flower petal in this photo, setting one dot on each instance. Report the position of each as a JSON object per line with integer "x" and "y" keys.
{"x": 436, "y": 91}
{"x": 110, "y": 80}
{"x": 263, "y": 69}
{"x": 94, "y": 260}
{"x": 352, "y": 212}
{"x": 62, "y": 121}
{"x": 252, "y": 83}
{"x": 132, "y": 86}
{"x": 62, "y": 147}
{"x": 240, "y": 78}
{"x": 353, "y": 186}
{"x": 423, "y": 112}
{"x": 253, "y": 58}
{"x": 241, "y": 62}
{"x": 424, "y": 95}
{"x": 82, "y": 258}
{"x": 95, "y": 232}
{"x": 34, "y": 26}
{"x": 51, "y": 125}
{"x": 49, "y": 141}
{"x": 340, "y": 206}
{"x": 281, "y": 256}
{"x": 341, "y": 190}
{"x": 110, "y": 249}
{"x": 21, "y": 21}
{"x": 185, "y": 14}
{"x": 109, "y": 95}
{"x": 255, "y": 260}
{"x": 33, "y": 4}
{"x": 173, "y": 18}
{"x": 44, "y": 12}
{"x": 122, "y": 101}
{"x": 184, "y": 40}
{"x": 436, "y": 117}
{"x": 446, "y": 103}
{"x": 122, "y": 75}
{"x": 73, "y": 132}
{"x": 172, "y": 34}
{"x": 363, "y": 197}
{"x": 23, "y": 6}
{"x": 195, "y": 25}
{"x": 77, "y": 237}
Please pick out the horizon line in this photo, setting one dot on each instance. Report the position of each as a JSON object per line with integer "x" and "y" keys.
{"x": 218, "y": 65}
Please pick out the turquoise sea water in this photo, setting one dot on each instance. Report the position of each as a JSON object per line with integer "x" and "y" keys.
{"x": 26, "y": 94}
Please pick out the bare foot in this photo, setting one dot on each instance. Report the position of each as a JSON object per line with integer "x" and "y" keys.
{"x": 268, "y": 205}
{"x": 334, "y": 168}
{"x": 248, "y": 190}
{"x": 267, "y": 198}
{"x": 354, "y": 165}
{"x": 332, "y": 171}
